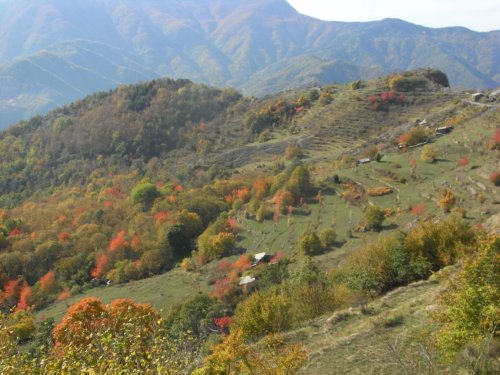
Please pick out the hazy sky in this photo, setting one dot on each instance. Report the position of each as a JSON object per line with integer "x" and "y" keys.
{"x": 479, "y": 15}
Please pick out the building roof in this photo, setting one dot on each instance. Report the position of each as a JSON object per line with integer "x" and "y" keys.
{"x": 245, "y": 280}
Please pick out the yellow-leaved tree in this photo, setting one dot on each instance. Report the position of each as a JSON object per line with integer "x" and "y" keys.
{"x": 470, "y": 312}
{"x": 272, "y": 356}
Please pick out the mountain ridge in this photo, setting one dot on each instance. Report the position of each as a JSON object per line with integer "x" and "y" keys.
{"x": 223, "y": 43}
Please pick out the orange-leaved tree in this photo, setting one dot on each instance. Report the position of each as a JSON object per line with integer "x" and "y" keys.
{"x": 97, "y": 338}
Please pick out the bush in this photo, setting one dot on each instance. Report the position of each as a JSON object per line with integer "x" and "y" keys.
{"x": 402, "y": 83}
{"x": 471, "y": 305}
{"x": 429, "y": 154}
{"x": 328, "y": 237}
{"x": 263, "y": 313}
{"x": 447, "y": 200}
{"x": 374, "y": 217}
{"x": 441, "y": 243}
{"x": 310, "y": 244}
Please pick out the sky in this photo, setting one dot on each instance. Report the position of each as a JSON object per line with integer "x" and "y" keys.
{"x": 478, "y": 15}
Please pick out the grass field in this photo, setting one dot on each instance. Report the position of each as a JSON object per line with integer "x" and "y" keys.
{"x": 393, "y": 336}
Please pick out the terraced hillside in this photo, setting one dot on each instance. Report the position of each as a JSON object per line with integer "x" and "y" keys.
{"x": 352, "y": 191}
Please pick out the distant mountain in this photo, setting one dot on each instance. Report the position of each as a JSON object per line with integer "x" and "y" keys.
{"x": 56, "y": 51}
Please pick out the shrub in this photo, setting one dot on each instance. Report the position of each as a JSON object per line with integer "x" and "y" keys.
{"x": 310, "y": 244}
{"x": 404, "y": 83}
{"x": 374, "y": 217}
{"x": 214, "y": 246}
{"x": 429, "y": 154}
{"x": 325, "y": 98}
{"x": 282, "y": 200}
{"x": 187, "y": 264}
{"x": 471, "y": 305}
{"x": 447, "y": 200}
{"x": 370, "y": 152}
{"x": 311, "y": 292}
{"x": 328, "y": 237}
{"x": 440, "y": 243}
{"x": 263, "y": 313}
{"x": 272, "y": 356}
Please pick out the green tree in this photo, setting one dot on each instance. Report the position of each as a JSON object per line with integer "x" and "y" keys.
{"x": 471, "y": 305}
{"x": 145, "y": 193}
{"x": 310, "y": 244}
{"x": 327, "y": 237}
{"x": 299, "y": 182}
{"x": 178, "y": 240}
{"x": 262, "y": 213}
{"x": 374, "y": 217}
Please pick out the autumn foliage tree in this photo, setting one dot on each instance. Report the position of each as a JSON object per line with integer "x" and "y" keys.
{"x": 89, "y": 317}
{"x": 447, "y": 200}
{"x": 115, "y": 338}
{"x": 272, "y": 357}
{"x": 471, "y": 304}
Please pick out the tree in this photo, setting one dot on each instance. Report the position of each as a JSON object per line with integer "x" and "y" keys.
{"x": 262, "y": 213}
{"x": 310, "y": 244}
{"x": 374, "y": 217}
{"x": 328, "y": 237}
{"x": 429, "y": 154}
{"x": 447, "y": 200}
{"x": 115, "y": 338}
{"x": 145, "y": 193}
{"x": 272, "y": 357}
{"x": 194, "y": 316}
{"x": 471, "y": 305}
{"x": 263, "y": 313}
{"x": 283, "y": 200}
{"x": 300, "y": 181}
{"x": 178, "y": 240}
{"x": 192, "y": 223}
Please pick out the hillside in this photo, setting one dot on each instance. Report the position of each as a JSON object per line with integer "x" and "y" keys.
{"x": 52, "y": 53}
{"x": 162, "y": 192}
